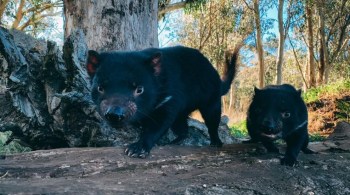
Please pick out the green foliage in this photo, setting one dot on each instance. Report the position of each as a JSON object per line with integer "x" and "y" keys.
{"x": 314, "y": 94}
{"x": 193, "y": 5}
{"x": 239, "y": 130}
{"x": 344, "y": 110}
{"x": 12, "y": 147}
{"x": 316, "y": 137}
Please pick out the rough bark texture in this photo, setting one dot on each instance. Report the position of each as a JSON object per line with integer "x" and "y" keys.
{"x": 281, "y": 40}
{"x": 259, "y": 45}
{"x": 233, "y": 169}
{"x": 323, "y": 64}
{"x": 310, "y": 43}
{"x": 46, "y": 102}
{"x": 113, "y": 25}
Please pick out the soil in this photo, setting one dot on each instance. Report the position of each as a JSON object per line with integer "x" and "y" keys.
{"x": 326, "y": 112}
{"x": 233, "y": 169}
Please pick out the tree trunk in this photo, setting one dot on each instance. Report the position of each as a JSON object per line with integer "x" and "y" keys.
{"x": 279, "y": 61}
{"x": 312, "y": 66}
{"x": 46, "y": 101}
{"x": 231, "y": 100}
{"x": 307, "y": 74}
{"x": 323, "y": 48}
{"x": 259, "y": 45}
{"x": 113, "y": 25}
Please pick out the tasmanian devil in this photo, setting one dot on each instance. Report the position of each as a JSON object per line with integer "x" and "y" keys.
{"x": 278, "y": 111}
{"x": 157, "y": 89}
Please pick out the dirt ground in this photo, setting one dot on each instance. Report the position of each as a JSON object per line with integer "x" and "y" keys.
{"x": 325, "y": 113}
{"x": 233, "y": 169}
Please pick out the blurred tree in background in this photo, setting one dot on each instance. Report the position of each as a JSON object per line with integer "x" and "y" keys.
{"x": 33, "y": 16}
{"x": 214, "y": 26}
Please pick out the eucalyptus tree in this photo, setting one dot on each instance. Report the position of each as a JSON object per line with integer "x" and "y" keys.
{"x": 32, "y": 16}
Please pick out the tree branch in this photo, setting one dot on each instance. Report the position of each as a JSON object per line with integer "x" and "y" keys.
{"x": 171, "y": 7}
{"x": 298, "y": 63}
{"x": 246, "y": 3}
{"x": 3, "y": 4}
{"x": 19, "y": 15}
{"x": 33, "y": 20}
{"x": 43, "y": 7}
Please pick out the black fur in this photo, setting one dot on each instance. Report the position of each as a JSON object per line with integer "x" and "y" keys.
{"x": 158, "y": 89}
{"x": 278, "y": 111}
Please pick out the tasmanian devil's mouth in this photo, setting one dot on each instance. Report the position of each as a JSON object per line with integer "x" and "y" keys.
{"x": 272, "y": 136}
{"x": 116, "y": 124}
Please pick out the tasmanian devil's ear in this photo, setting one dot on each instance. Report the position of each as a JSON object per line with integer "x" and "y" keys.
{"x": 256, "y": 90}
{"x": 156, "y": 63}
{"x": 299, "y": 92}
{"x": 92, "y": 62}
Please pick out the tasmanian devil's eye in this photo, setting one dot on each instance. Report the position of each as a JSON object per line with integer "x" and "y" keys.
{"x": 100, "y": 89}
{"x": 139, "y": 90}
{"x": 285, "y": 114}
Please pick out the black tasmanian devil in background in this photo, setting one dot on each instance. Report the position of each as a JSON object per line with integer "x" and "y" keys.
{"x": 158, "y": 89}
{"x": 278, "y": 111}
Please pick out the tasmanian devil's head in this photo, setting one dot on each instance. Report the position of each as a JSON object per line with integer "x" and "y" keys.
{"x": 123, "y": 84}
{"x": 275, "y": 111}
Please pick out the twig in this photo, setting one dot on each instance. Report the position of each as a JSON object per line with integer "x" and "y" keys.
{"x": 298, "y": 64}
{"x": 3, "y": 176}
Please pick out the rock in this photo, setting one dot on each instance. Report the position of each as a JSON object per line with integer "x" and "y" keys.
{"x": 199, "y": 136}
{"x": 339, "y": 139}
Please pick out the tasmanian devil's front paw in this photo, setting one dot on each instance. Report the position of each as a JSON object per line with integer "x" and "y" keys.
{"x": 273, "y": 149}
{"x": 289, "y": 161}
{"x": 216, "y": 143}
{"x": 137, "y": 149}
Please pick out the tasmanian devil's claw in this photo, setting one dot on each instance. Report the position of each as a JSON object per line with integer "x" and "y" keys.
{"x": 136, "y": 150}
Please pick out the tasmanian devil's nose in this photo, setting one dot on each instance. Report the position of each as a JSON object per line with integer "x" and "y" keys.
{"x": 115, "y": 114}
{"x": 268, "y": 125}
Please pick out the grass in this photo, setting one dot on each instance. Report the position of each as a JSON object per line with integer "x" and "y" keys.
{"x": 316, "y": 137}
{"x": 344, "y": 110}
{"x": 12, "y": 147}
{"x": 315, "y": 94}
{"x": 239, "y": 130}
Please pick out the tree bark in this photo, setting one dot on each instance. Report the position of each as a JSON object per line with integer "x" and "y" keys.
{"x": 307, "y": 74}
{"x": 171, "y": 7}
{"x": 113, "y": 25}
{"x": 281, "y": 40}
{"x": 47, "y": 101}
{"x": 312, "y": 66}
{"x": 323, "y": 48}
{"x": 259, "y": 45}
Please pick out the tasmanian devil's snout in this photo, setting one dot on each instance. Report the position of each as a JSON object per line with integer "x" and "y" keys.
{"x": 115, "y": 114}
{"x": 117, "y": 110}
{"x": 269, "y": 125}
